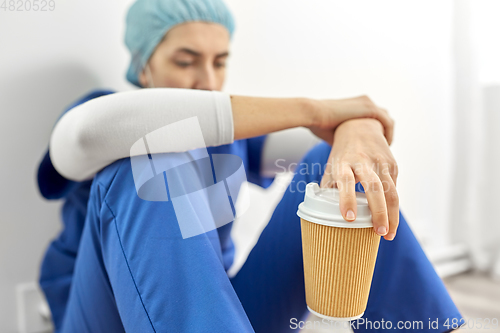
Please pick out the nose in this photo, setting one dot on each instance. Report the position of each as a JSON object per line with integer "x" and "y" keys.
{"x": 207, "y": 79}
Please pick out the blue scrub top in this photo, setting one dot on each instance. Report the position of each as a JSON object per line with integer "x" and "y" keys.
{"x": 58, "y": 264}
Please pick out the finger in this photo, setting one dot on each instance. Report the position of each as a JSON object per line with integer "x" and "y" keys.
{"x": 392, "y": 200}
{"x": 394, "y": 171}
{"x": 376, "y": 200}
{"x": 391, "y": 169}
{"x": 327, "y": 179}
{"x": 347, "y": 190}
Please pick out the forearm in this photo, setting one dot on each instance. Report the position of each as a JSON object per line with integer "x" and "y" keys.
{"x": 103, "y": 130}
{"x": 254, "y": 116}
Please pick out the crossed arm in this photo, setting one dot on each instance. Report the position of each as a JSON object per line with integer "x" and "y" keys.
{"x": 101, "y": 131}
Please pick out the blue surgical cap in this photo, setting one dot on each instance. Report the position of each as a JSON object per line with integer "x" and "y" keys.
{"x": 149, "y": 20}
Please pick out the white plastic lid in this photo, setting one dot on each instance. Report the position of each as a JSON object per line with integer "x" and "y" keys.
{"x": 321, "y": 205}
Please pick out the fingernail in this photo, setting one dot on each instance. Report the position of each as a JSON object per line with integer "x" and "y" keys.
{"x": 350, "y": 215}
{"x": 382, "y": 231}
{"x": 391, "y": 236}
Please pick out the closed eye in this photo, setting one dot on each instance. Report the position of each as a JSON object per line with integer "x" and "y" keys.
{"x": 183, "y": 64}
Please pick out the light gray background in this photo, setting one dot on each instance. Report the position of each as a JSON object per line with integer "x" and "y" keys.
{"x": 399, "y": 53}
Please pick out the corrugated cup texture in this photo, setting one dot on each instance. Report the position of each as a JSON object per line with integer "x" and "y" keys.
{"x": 338, "y": 268}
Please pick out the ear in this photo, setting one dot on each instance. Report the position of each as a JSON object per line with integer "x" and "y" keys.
{"x": 142, "y": 79}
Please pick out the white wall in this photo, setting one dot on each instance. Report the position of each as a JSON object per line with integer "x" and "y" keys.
{"x": 477, "y": 108}
{"x": 485, "y": 28}
{"x": 396, "y": 52}
{"x": 47, "y": 60}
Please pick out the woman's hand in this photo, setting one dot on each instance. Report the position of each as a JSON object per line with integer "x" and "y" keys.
{"x": 360, "y": 153}
{"x": 331, "y": 113}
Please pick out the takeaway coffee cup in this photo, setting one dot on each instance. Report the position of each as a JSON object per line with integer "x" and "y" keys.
{"x": 339, "y": 256}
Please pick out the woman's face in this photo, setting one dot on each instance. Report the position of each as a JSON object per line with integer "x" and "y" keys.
{"x": 192, "y": 55}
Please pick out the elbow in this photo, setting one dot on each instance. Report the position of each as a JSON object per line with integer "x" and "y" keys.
{"x": 69, "y": 143}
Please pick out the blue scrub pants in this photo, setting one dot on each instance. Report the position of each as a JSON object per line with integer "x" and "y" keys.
{"x": 135, "y": 273}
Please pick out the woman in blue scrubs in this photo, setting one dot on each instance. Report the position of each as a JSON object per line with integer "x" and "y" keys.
{"x": 121, "y": 263}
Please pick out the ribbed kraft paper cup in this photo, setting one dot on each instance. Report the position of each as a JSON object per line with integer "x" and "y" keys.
{"x": 339, "y": 256}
